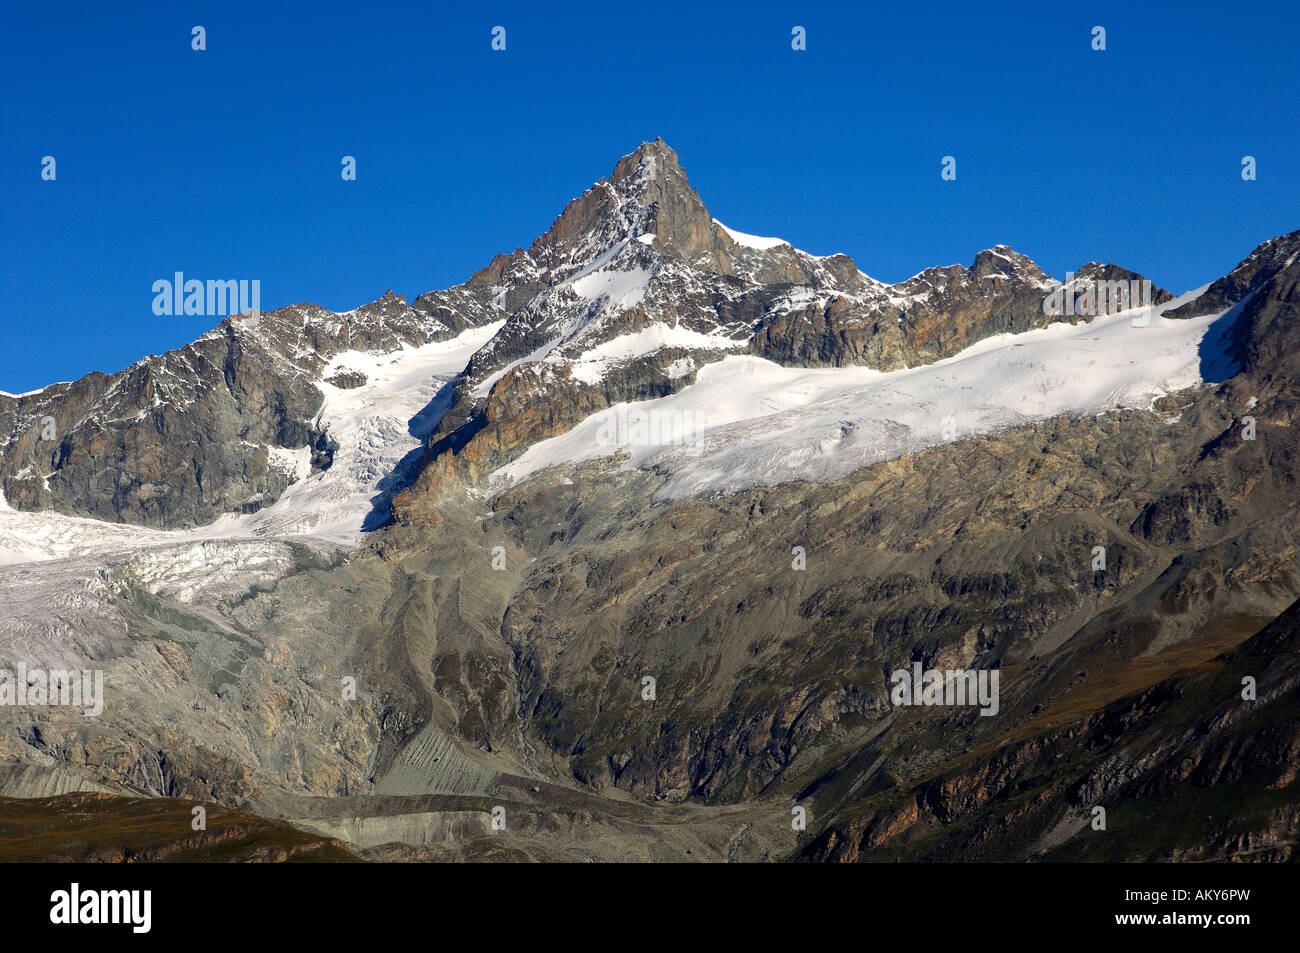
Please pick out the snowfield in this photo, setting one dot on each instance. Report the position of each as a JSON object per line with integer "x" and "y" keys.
{"x": 765, "y": 424}
{"x": 590, "y": 367}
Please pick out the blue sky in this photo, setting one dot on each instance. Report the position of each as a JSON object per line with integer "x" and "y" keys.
{"x": 225, "y": 163}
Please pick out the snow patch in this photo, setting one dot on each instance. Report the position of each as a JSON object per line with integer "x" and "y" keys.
{"x": 751, "y": 241}
{"x": 591, "y": 366}
{"x": 297, "y": 463}
{"x": 622, "y": 289}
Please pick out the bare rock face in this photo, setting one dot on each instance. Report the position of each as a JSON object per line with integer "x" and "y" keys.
{"x": 172, "y": 441}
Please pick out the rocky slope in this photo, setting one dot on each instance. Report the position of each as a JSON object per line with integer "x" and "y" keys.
{"x": 1186, "y": 769}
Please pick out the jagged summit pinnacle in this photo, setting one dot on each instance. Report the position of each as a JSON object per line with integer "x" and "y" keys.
{"x": 653, "y": 160}
{"x": 647, "y": 194}
{"x": 649, "y": 197}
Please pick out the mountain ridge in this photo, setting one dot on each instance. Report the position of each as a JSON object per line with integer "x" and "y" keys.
{"x": 179, "y": 439}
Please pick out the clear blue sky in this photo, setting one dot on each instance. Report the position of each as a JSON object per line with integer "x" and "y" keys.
{"x": 225, "y": 163}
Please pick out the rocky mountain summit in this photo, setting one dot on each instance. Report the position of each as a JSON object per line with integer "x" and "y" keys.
{"x": 636, "y": 287}
{"x": 637, "y": 647}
